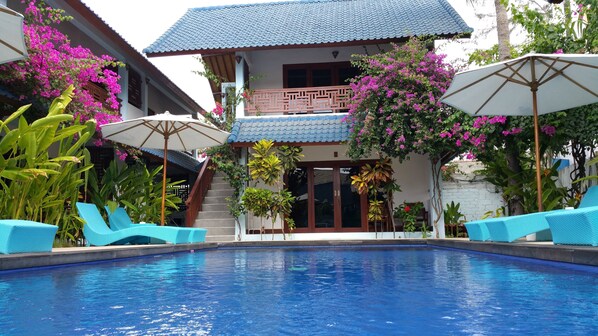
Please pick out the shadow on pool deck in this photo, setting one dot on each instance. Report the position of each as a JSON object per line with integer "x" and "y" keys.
{"x": 584, "y": 255}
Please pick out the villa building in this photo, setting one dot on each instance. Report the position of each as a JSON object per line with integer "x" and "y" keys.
{"x": 298, "y": 54}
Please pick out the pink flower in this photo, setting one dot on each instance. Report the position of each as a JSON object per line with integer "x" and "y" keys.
{"x": 548, "y": 130}
{"x": 558, "y": 51}
{"x": 218, "y": 110}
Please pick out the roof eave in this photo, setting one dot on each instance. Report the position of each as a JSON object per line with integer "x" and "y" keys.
{"x": 297, "y": 144}
{"x": 296, "y": 46}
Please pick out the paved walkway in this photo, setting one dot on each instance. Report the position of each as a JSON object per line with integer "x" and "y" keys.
{"x": 585, "y": 255}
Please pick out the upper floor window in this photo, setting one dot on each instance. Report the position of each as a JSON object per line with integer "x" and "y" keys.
{"x": 318, "y": 74}
{"x": 134, "y": 86}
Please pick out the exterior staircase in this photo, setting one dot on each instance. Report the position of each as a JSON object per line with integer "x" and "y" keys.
{"x": 214, "y": 215}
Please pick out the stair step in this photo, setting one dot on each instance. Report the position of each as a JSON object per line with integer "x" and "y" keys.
{"x": 218, "y": 179}
{"x": 214, "y": 207}
{"x": 214, "y": 215}
{"x": 211, "y": 223}
{"x": 224, "y": 192}
{"x": 218, "y": 231}
{"x": 220, "y": 186}
{"x": 215, "y": 200}
{"x": 222, "y": 238}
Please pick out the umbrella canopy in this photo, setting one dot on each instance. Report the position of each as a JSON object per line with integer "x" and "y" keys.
{"x": 12, "y": 41}
{"x": 533, "y": 84}
{"x": 165, "y": 131}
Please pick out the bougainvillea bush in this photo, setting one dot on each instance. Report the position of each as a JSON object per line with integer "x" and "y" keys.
{"x": 54, "y": 64}
{"x": 395, "y": 109}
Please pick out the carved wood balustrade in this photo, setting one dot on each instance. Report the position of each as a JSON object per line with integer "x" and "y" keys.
{"x": 298, "y": 100}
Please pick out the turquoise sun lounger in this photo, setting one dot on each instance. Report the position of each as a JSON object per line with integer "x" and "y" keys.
{"x": 23, "y": 236}
{"x": 509, "y": 229}
{"x": 578, "y": 226}
{"x": 97, "y": 232}
{"x": 120, "y": 220}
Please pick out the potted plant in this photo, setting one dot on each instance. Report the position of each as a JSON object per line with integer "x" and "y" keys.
{"x": 453, "y": 219}
{"x": 407, "y": 214}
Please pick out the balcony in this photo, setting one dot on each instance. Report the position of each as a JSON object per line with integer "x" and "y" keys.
{"x": 323, "y": 99}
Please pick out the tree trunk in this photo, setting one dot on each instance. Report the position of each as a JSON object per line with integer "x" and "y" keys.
{"x": 515, "y": 203}
{"x": 502, "y": 28}
{"x": 504, "y": 53}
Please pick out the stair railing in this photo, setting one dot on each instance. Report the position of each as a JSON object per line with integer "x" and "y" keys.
{"x": 198, "y": 192}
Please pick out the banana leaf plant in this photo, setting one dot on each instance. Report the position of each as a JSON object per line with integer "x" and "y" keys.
{"x": 43, "y": 167}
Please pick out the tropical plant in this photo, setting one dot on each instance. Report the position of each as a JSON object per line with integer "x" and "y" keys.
{"x": 258, "y": 201}
{"x": 453, "y": 218}
{"x": 266, "y": 167}
{"x": 43, "y": 166}
{"x": 136, "y": 188}
{"x": 377, "y": 182}
{"x": 408, "y": 214}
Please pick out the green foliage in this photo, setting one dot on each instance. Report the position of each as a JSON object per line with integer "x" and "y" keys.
{"x": 226, "y": 161}
{"x": 289, "y": 156}
{"x": 499, "y": 212}
{"x": 43, "y": 165}
{"x": 524, "y": 188}
{"x": 258, "y": 201}
{"x": 136, "y": 188}
{"x": 408, "y": 213}
{"x": 375, "y": 180}
{"x": 452, "y": 215}
{"x": 264, "y": 164}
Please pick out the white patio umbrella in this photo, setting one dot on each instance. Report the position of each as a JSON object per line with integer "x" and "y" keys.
{"x": 533, "y": 84}
{"x": 165, "y": 131}
{"x": 12, "y": 41}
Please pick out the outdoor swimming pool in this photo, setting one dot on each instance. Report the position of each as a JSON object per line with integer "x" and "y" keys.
{"x": 304, "y": 291}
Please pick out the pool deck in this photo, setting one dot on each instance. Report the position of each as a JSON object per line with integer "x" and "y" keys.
{"x": 583, "y": 255}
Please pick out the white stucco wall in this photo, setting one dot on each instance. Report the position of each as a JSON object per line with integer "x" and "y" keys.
{"x": 266, "y": 65}
{"x": 474, "y": 195}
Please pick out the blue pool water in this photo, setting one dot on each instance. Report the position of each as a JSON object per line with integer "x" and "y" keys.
{"x": 304, "y": 291}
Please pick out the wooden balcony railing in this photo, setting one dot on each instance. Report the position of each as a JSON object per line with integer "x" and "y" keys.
{"x": 198, "y": 192}
{"x": 299, "y": 100}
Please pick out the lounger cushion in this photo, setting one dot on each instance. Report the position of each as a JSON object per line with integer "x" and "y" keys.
{"x": 22, "y": 236}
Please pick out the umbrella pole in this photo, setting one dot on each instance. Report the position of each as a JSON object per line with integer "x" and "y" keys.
{"x": 164, "y": 178}
{"x": 537, "y": 149}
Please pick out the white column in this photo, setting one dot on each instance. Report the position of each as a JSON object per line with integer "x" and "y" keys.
{"x": 433, "y": 214}
{"x": 242, "y": 217}
{"x": 124, "y": 91}
{"x": 240, "y": 82}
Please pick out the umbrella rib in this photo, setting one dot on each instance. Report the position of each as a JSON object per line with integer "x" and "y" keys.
{"x": 11, "y": 47}
{"x": 561, "y": 73}
{"x": 206, "y": 135}
{"x": 491, "y": 96}
{"x": 548, "y": 68}
{"x": 495, "y": 73}
{"x": 511, "y": 67}
{"x": 507, "y": 79}
{"x": 471, "y": 84}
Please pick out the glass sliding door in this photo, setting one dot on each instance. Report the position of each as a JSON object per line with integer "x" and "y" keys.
{"x": 325, "y": 199}
{"x": 350, "y": 199}
{"x": 297, "y": 185}
{"x": 324, "y": 193}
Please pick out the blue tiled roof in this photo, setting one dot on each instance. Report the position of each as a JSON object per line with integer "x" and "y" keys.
{"x": 307, "y": 22}
{"x": 304, "y": 128}
{"x": 178, "y": 158}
